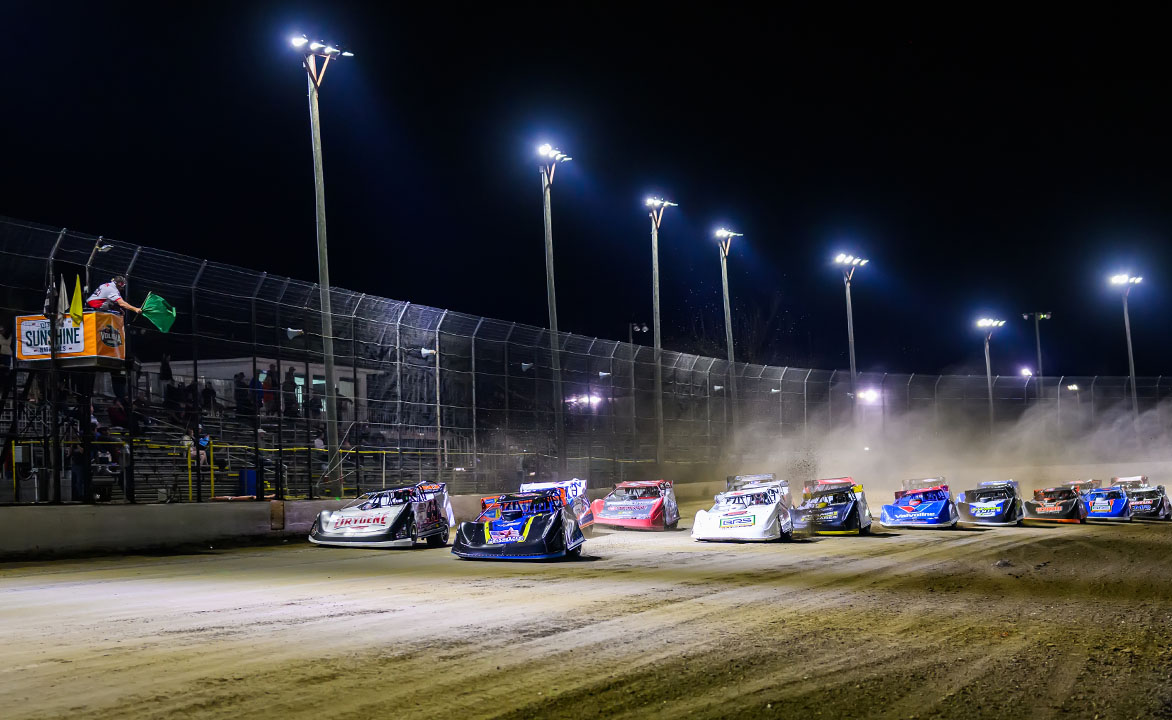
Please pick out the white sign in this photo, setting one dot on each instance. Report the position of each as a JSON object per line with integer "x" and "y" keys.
{"x": 34, "y": 337}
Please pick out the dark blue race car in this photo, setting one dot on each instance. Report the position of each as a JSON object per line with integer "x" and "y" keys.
{"x": 921, "y": 503}
{"x": 521, "y": 526}
{"x": 1150, "y": 503}
{"x": 836, "y": 506}
{"x": 1109, "y": 503}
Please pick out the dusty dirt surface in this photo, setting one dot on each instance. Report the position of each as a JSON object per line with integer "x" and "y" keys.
{"x": 1031, "y": 622}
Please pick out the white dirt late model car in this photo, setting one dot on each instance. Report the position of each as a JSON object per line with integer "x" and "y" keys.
{"x": 753, "y": 508}
{"x": 395, "y": 517}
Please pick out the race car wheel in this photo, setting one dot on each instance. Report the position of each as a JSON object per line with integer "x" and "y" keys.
{"x": 1082, "y": 521}
{"x": 576, "y": 552}
{"x": 438, "y": 539}
{"x": 862, "y": 530}
{"x": 673, "y": 525}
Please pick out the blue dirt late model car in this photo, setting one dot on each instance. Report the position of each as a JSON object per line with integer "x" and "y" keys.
{"x": 833, "y": 507}
{"x": 995, "y": 502}
{"x": 921, "y": 503}
{"x": 521, "y": 526}
{"x": 1109, "y": 503}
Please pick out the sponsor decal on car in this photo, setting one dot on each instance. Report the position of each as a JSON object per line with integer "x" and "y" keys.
{"x": 508, "y": 535}
{"x": 985, "y": 511}
{"x": 1049, "y": 508}
{"x": 737, "y": 521}
{"x": 359, "y": 521}
{"x": 1102, "y": 505}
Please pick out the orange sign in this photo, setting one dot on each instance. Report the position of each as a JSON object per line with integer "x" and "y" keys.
{"x": 100, "y": 336}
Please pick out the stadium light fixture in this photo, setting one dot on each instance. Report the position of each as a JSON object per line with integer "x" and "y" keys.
{"x": 312, "y": 51}
{"x": 1126, "y": 281}
{"x": 1038, "y": 317}
{"x": 989, "y": 325}
{"x": 657, "y": 206}
{"x": 724, "y": 238}
{"x": 1026, "y": 372}
{"x": 426, "y": 351}
{"x": 717, "y": 388}
{"x": 550, "y": 158}
{"x": 869, "y": 396}
{"x": 849, "y": 264}
{"x": 1072, "y": 387}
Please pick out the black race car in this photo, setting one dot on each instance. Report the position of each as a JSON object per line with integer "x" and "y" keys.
{"x": 995, "y": 502}
{"x": 1150, "y": 503}
{"x": 1057, "y": 504}
{"x": 521, "y": 526}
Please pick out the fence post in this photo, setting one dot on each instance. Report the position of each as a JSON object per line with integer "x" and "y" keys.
{"x": 806, "y": 403}
{"x": 279, "y": 394}
{"x": 355, "y": 427}
{"x": 399, "y": 383}
{"x": 254, "y": 410}
{"x": 936, "y": 400}
{"x": 1093, "y": 381}
{"x": 830, "y": 400}
{"x": 54, "y": 395}
{"x": 439, "y": 427}
{"x": 508, "y": 335}
{"x": 475, "y": 459}
{"x": 195, "y": 380}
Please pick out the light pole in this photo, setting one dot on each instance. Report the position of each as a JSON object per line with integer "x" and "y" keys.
{"x": 550, "y": 157}
{"x": 849, "y": 264}
{"x": 633, "y": 328}
{"x": 988, "y": 325}
{"x": 724, "y": 240}
{"x": 312, "y": 51}
{"x": 657, "y": 206}
{"x": 1038, "y": 317}
{"x": 1125, "y": 281}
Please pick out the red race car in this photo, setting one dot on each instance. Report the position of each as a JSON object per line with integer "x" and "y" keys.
{"x": 642, "y": 505}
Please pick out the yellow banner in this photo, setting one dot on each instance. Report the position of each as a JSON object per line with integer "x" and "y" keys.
{"x": 101, "y": 335}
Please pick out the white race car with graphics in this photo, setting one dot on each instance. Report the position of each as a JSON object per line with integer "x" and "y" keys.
{"x": 753, "y": 509}
{"x": 396, "y": 517}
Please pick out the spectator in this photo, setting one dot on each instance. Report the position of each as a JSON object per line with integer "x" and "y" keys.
{"x": 312, "y": 403}
{"x": 117, "y": 414}
{"x": 5, "y": 348}
{"x": 289, "y": 391}
{"x": 209, "y": 398}
{"x": 165, "y": 374}
{"x": 77, "y": 474}
{"x": 272, "y": 390}
{"x": 240, "y": 395}
{"x": 258, "y": 395}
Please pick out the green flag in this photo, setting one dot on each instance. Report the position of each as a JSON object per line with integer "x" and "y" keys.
{"x": 158, "y": 311}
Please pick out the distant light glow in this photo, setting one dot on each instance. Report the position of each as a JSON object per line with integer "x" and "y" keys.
{"x": 726, "y": 233}
{"x": 989, "y": 323}
{"x": 549, "y": 151}
{"x": 1026, "y": 372}
{"x": 868, "y": 449}
{"x": 870, "y": 395}
{"x": 299, "y": 41}
{"x": 1125, "y": 279}
{"x": 315, "y": 45}
{"x": 717, "y": 388}
{"x": 1072, "y": 388}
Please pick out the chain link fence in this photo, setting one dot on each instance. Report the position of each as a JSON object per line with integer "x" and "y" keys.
{"x": 422, "y": 393}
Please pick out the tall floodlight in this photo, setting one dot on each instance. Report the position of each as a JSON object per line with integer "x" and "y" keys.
{"x": 312, "y": 52}
{"x": 988, "y": 325}
{"x": 656, "y": 207}
{"x": 849, "y": 264}
{"x": 724, "y": 239}
{"x": 550, "y": 157}
{"x": 1126, "y": 281}
{"x": 1038, "y": 317}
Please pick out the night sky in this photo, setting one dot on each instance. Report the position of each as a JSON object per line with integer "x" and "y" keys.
{"x": 998, "y": 174}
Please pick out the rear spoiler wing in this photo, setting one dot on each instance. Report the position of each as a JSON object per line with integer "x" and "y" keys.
{"x": 1084, "y": 485}
{"x": 997, "y": 483}
{"x": 736, "y": 482}
{"x": 920, "y": 484}
{"x": 569, "y": 489}
{"x": 844, "y": 483}
{"x": 1131, "y": 482}
{"x": 901, "y": 493}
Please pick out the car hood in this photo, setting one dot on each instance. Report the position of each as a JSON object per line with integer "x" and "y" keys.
{"x": 629, "y": 508}
{"x": 354, "y": 521}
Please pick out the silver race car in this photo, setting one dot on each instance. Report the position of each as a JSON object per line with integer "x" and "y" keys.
{"x": 396, "y": 517}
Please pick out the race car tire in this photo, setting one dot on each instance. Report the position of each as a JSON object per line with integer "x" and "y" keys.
{"x": 1082, "y": 521}
{"x": 862, "y": 530}
{"x": 576, "y": 552}
{"x": 672, "y": 526}
{"x": 313, "y": 528}
{"x": 438, "y": 539}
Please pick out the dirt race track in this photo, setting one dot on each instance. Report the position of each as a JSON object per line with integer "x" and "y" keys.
{"x": 1070, "y": 621}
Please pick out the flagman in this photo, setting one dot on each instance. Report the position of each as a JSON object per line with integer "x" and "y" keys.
{"x": 108, "y": 297}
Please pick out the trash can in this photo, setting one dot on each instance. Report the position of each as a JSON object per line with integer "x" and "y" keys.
{"x": 248, "y": 482}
